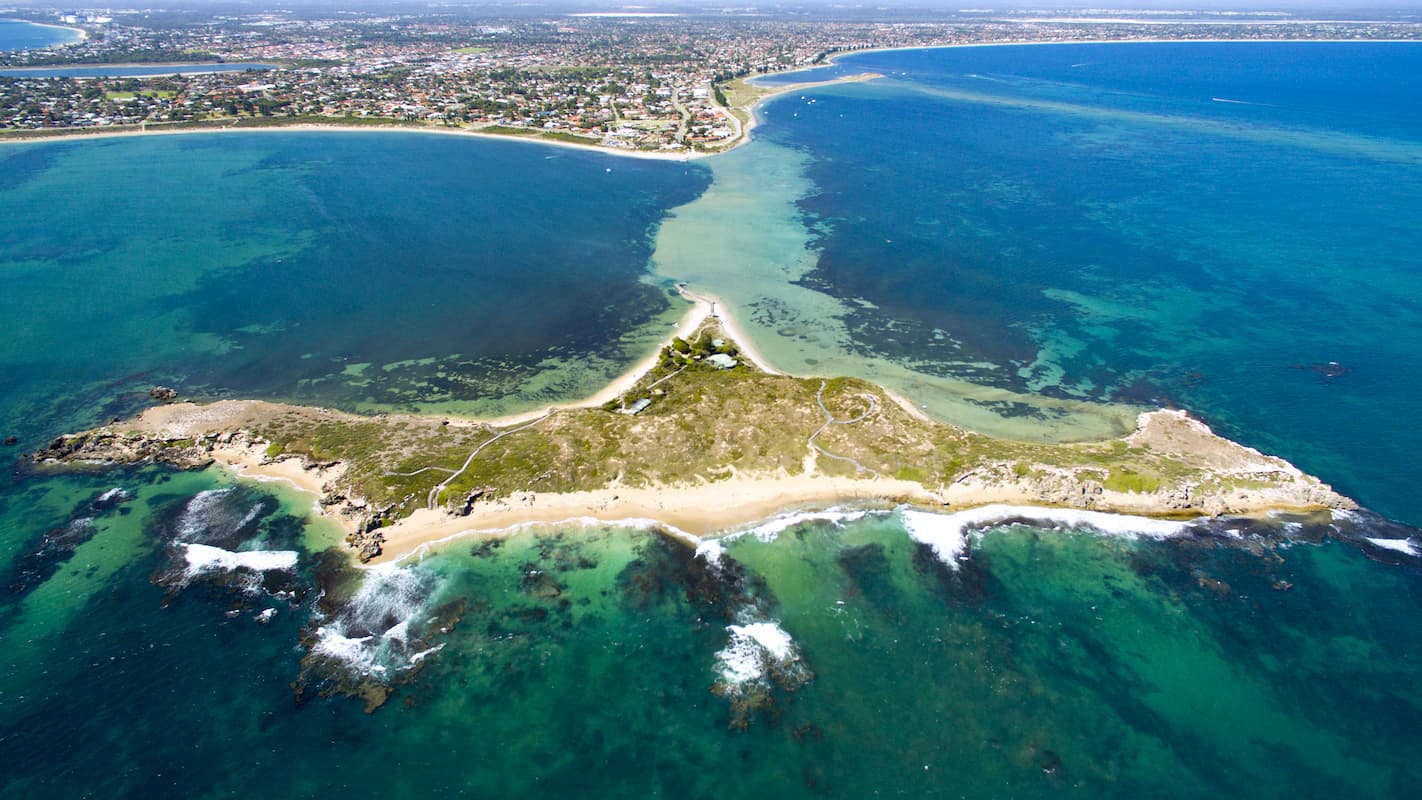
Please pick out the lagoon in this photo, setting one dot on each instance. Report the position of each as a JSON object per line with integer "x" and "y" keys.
{"x": 1044, "y": 250}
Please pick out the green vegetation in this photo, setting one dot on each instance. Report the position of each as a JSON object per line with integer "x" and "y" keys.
{"x": 739, "y": 95}
{"x": 701, "y": 415}
{"x": 701, "y": 424}
{"x": 1126, "y": 480}
{"x": 533, "y": 133}
{"x": 139, "y": 94}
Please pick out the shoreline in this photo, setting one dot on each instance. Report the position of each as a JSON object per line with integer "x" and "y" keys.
{"x": 533, "y": 136}
{"x": 690, "y": 322}
{"x": 33, "y": 135}
{"x": 709, "y": 511}
{"x": 1230, "y": 479}
{"x": 85, "y": 134}
{"x": 834, "y": 57}
{"x": 83, "y": 34}
{"x": 699, "y": 509}
{"x": 691, "y": 513}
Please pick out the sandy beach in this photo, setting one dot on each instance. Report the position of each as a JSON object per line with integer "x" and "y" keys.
{"x": 337, "y": 127}
{"x": 83, "y": 34}
{"x": 41, "y": 135}
{"x": 1252, "y": 483}
{"x": 696, "y": 511}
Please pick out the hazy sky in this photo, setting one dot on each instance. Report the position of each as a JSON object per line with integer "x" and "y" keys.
{"x": 863, "y": 9}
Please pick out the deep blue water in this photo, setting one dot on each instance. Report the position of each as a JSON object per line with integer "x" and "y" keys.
{"x": 135, "y": 71}
{"x": 1064, "y": 243}
{"x": 1089, "y": 221}
{"x": 16, "y": 35}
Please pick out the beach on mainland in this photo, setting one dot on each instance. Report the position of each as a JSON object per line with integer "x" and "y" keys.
{"x": 743, "y": 117}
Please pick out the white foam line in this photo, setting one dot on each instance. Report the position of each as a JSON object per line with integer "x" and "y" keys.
{"x": 947, "y": 534}
{"x": 1404, "y": 546}
{"x": 712, "y": 549}
{"x": 768, "y": 531}
{"x": 637, "y": 523}
{"x": 193, "y": 518}
{"x": 205, "y": 558}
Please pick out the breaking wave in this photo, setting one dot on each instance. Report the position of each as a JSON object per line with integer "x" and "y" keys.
{"x": 712, "y": 549}
{"x": 203, "y": 558}
{"x": 218, "y": 517}
{"x": 754, "y": 651}
{"x": 382, "y": 629}
{"x": 949, "y": 534}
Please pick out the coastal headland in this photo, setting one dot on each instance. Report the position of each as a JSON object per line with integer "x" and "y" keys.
{"x": 701, "y": 440}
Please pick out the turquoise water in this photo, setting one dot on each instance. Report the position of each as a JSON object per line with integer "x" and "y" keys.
{"x": 610, "y": 661}
{"x": 365, "y": 270}
{"x": 17, "y": 35}
{"x": 1089, "y": 223}
{"x": 1030, "y": 255}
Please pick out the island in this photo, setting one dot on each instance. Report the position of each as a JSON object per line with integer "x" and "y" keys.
{"x": 704, "y": 439}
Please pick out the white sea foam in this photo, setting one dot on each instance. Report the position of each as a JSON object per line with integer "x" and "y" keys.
{"x": 248, "y": 517}
{"x": 204, "y": 558}
{"x": 712, "y": 549}
{"x": 751, "y": 648}
{"x": 768, "y": 635}
{"x": 420, "y": 656}
{"x": 371, "y": 635}
{"x": 399, "y": 632}
{"x": 1398, "y": 545}
{"x": 198, "y": 511}
{"x": 116, "y": 494}
{"x": 353, "y": 652}
{"x": 768, "y": 531}
{"x": 636, "y": 523}
{"x": 948, "y": 534}
{"x": 1344, "y": 515}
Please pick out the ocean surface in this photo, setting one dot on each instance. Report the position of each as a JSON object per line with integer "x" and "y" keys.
{"x": 17, "y": 35}
{"x": 1033, "y": 240}
{"x": 1014, "y": 235}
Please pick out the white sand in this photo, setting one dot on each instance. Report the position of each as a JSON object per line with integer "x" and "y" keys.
{"x": 698, "y": 510}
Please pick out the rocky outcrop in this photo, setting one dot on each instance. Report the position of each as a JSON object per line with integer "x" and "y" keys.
{"x": 105, "y": 446}
{"x": 367, "y": 539}
{"x": 1213, "y": 493}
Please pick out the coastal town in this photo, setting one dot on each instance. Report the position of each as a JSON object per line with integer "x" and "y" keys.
{"x": 654, "y": 82}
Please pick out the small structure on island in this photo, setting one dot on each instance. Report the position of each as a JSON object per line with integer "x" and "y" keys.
{"x": 636, "y": 408}
{"x": 721, "y": 361}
